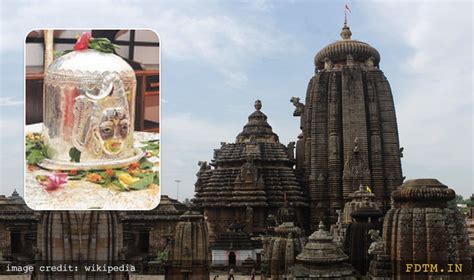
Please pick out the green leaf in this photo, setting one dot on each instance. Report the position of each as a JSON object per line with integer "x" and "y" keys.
{"x": 117, "y": 183}
{"x": 75, "y": 154}
{"x": 156, "y": 180}
{"x": 144, "y": 163}
{"x": 102, "y": 45}
{"x": 142, "y": 183}
{"x": 35, "y": 156}
{"x": 59, "y": 53}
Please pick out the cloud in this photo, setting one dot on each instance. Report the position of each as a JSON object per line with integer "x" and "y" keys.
{"x": 434, "y": 101}
{"x": 8, "y": 101}
{"x": 223, "y": 41}
{"x": 187, "y": 139}
{"x": 218, "y": 38}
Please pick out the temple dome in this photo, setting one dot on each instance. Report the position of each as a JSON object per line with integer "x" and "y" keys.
{"x": 257, "y": 128}
{"x": 423, "y": 190}
{"x": 338, "y": 51}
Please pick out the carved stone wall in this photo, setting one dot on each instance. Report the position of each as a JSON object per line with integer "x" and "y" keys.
{"x": 190, "y": 258}
{"x": 421, "y": 229}
{"x": 349, "y": 128}
{"x": 80, "y": 237}
{"x": 248, "y": 180}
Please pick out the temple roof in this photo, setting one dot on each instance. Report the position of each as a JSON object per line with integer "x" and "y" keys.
{"x": 339, "y": 50}
{"x": 321, "y": 249}
{"x": 167, "y": 209}
{"x": 235, "y": 239}
{"x": 423, "y": 190}
{"x": 257, "y": 128}
{"x": 256, "y": 171}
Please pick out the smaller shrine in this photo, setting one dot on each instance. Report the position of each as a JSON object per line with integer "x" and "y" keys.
{"x": 281, "y": 251}
{"x": 360, "y": 215}
{"x": 420, "y": 218}
{"x": 322, "y": 258}
{"x": 190, "y": 253}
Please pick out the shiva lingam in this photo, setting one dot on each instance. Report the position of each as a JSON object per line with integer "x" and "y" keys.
{"x": 88, "y": 112}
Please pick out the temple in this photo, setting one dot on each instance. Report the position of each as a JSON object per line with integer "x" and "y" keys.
{"x": 249, "y": 180}
{"x": 349, "y": 129}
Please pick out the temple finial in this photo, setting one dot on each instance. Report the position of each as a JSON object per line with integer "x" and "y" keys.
{"x": 258, "y": 105}
{"x": 321, "y": 225}
{"x": 346, "y": 32}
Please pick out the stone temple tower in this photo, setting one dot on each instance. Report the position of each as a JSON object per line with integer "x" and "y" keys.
{"x": 349, "y": 129}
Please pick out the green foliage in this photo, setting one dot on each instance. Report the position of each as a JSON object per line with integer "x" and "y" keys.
{"x": 459, "y": 199}
{"x": 152, "y": 147}
{"x": 144, "y": 163}
{"x": 35, "y": 149}
{"x": 99, "y": 44}
{"x": 470, "y": 201}
{"x": 162, "y": 256}
{"x": 75, "y": 154}
{"x": 143, "y": 182}
{"x": 102, "y": 45}
{"x": 59, "y": 53}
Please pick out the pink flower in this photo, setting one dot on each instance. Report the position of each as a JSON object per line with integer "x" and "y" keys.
{"x": 83, "y": 42}
{"x": 53, "y": 181}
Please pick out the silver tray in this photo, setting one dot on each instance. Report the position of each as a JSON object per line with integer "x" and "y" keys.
{"x": 102, "y": 165}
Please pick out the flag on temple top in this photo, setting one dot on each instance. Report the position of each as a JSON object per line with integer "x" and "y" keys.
{"x": 368, "y": 189}
{"x": 346, "y": 9}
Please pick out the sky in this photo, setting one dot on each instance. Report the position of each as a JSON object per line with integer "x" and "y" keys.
{"x": 219, "y": 57}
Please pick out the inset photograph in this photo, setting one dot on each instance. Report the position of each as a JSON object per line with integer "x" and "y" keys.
{"x": 92, "y": 119}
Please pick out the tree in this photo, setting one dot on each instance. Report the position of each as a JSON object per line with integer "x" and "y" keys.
{"x": 453, "y": 203}
{"x": 186, "y": 201}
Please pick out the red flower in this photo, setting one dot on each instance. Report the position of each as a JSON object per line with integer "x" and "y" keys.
{"x": 53, "y": 181}
{"x": 133, "y": 166}
{"x": 73, "y": 172}
{"x": 83, "y": 42}
{"x": 93, "y": 177}
{"x": 109, "y": 172}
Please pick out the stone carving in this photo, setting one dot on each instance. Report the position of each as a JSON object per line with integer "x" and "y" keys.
{"x": 369, "y": 62}
{"x": 299, "y": 106}
{"x": 377, "y": 246}
{"x": 291, "y": 149}
{"x": 322, "y": 258}
{"x": 355, "y": 168}
{"x": 202, "y": 167}
{"x": 328, "y": 65}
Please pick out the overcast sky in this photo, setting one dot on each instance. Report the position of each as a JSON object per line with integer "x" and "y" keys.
{"x": 218, "y": 58}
